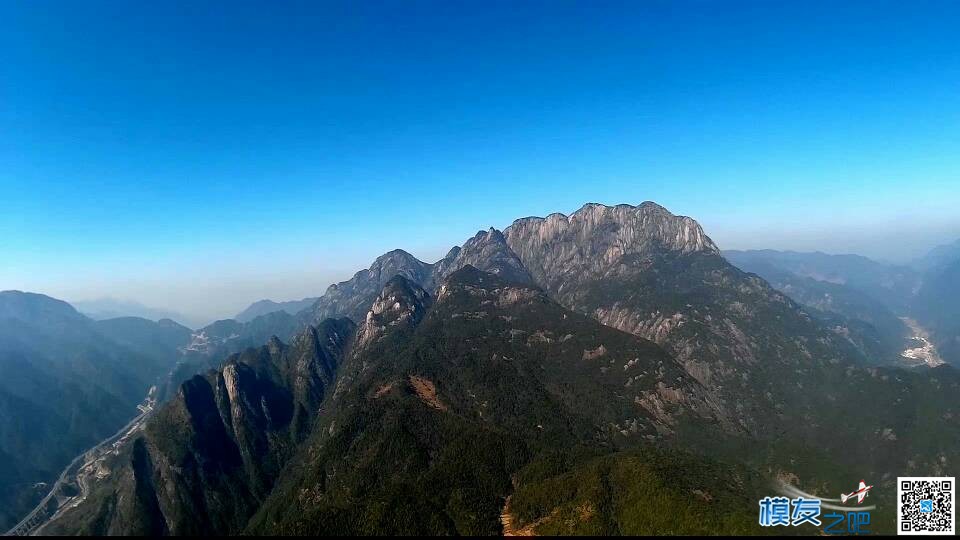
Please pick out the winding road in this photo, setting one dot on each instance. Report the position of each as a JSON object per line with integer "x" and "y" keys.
{"x": 78, "y": 471}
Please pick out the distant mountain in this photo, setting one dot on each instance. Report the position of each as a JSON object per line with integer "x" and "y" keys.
{"x": 207, "y": 347}
{"x": 861, "y": 299}
{"x": 111, "y": 308}
{"x": 68, "y": 382}
{"x": 937, "y": 306}
{"x": 163, "y": 339}
{"x": 873, "y": 327}
{"x": 264, "y": 307}
{"x": 938, "y": 258}
{"x": 228, "y": 336}
{"x": 38, "y": 309}
{"x": 892, "y": 285}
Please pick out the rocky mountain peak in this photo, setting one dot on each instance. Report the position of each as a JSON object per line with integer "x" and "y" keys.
{"x": 589, "y": 240}
{"x": 275, "y": 346}
{"x": 452, "y": 254}
{"x": 385, "y": 267}
{"x": 596, "y": 236}
{"x": 488, "y": 251}
{"x": 352, "y": 298}
{"x": 630, "y": 227}
{"x": 636, "y": 330}
{"x": 396, "y": 259}
{"x": 401, "y": 304}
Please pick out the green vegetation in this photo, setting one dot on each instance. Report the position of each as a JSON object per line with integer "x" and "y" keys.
{"x": 400, "y": 468}
{"x": 391, "y": 460}
{"x": 639, "y": 492}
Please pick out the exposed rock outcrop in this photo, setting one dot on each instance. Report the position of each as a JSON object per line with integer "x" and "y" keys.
{"x": 595, "y": 237}
{"x": 401, "y": 304}
{"x": 352, "y": 298}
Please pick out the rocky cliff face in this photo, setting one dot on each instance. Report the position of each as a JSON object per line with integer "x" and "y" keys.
{"x": 209, "y": 345}
{"x": 487, "y": 251}
{"x": 560, "y": 248}
{"x": 215, "y": 450}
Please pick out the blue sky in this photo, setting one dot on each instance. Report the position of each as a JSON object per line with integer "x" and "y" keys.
{"x": 201, "y": 155}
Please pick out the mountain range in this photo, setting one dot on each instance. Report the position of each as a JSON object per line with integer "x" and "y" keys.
{"x": 264, "y": 307}
{"x": 68, "y": 382}
{"x": 112, "y": 308}
{"x": 867, "y": 301}
{"x": 569, "y": 374}
{"x": 936, "y": 307}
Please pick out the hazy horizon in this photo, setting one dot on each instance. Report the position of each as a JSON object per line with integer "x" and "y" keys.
{"x": 292, "y": 284}
{"x": 196, "y": 158}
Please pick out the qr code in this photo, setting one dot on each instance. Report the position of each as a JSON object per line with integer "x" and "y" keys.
{"x": 926, "y": 505}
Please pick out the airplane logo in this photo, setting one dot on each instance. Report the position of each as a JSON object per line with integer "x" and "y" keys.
{"x": 860, "y": 493}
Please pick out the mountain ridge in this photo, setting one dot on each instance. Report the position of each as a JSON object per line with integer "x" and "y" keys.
{"x": 598, "y": 335}
{"x": 266, "y": 306}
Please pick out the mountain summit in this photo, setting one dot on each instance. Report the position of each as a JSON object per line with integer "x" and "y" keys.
{"x": 596, "y": 235}
{"x": 352, "y": 298}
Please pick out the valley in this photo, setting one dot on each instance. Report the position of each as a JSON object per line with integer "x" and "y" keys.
{"x": 73, "y": 484}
